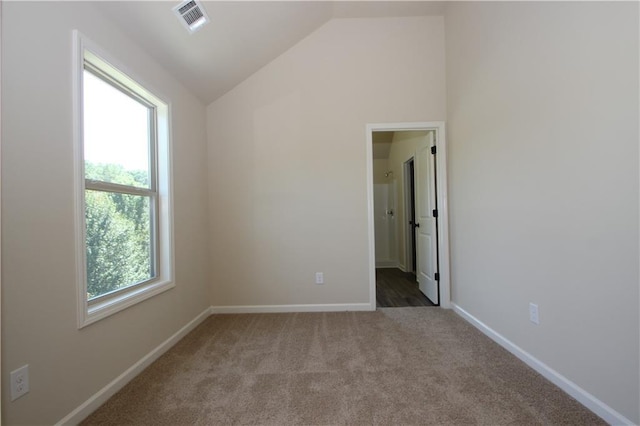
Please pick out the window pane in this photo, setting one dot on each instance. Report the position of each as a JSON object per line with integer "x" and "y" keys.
{"x": 118, "y": 241}
{"x": 116, "y": 135}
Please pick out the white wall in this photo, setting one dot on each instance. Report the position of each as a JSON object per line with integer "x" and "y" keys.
{"x": 287, "y": 158}
{"x": 543, "y": 181}
{"x": 384, "y": 199}
{"x": 68, "y": 365}
{"x": 380, "y": 168}
{"x": 384, "y": 225}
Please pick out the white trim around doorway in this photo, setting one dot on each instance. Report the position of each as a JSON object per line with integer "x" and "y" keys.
{"x": 443, "y": 208}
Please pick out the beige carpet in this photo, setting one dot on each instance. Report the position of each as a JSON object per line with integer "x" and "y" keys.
{"x": 395, "y": 366}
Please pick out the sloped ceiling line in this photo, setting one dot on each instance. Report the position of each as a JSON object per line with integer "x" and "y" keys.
{"x": 242, "y": 36}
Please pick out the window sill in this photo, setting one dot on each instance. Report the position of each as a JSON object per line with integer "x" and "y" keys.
{"x": 108, "y": 307}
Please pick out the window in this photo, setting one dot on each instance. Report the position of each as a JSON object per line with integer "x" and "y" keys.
{"x": 124, "y": 226}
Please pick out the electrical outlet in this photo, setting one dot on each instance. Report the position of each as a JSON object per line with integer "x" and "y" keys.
{"x": 534, "y": 316}
{"x": 19, "y": 382}
{"x": 319, "y": 278}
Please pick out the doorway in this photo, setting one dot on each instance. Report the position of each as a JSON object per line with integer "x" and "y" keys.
{"x": 422, "y": 217}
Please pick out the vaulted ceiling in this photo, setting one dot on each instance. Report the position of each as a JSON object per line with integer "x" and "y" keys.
{"x": 242, "y": 36}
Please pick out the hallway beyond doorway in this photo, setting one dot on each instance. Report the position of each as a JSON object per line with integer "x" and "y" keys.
{"x": 395, "y": 288}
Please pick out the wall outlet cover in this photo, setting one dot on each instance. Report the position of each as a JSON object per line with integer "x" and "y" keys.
{"x": 19, "y": 382}
{"x": 534, "y": 315}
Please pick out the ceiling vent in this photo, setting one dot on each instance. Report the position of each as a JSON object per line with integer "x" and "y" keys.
{"x": 191, "y": 14}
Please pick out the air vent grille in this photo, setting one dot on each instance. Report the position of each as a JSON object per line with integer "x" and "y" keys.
{"x": 191, "y": 14}
{"x": 186, "y": 7}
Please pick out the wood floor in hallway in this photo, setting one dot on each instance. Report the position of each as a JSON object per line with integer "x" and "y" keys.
{"x": 395, "y": 288}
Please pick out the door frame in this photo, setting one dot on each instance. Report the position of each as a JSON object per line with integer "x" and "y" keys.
{"x": 443, "y": 207}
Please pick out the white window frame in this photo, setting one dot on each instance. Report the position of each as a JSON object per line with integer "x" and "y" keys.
{"x": 104, "y": 306}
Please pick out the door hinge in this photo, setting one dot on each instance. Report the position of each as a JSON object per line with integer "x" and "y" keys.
{"x": 433, "y": 149}
{"x": 435, "y": 213}
{"x": 437, "y": 276}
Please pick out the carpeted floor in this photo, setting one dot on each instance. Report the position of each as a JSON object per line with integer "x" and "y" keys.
{"x": 395, "y": 366}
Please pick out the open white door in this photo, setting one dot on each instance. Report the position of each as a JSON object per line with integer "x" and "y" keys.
{"x": 426, "y": 230}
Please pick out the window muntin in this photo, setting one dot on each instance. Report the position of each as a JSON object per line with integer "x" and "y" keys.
{"x": 123, "y": 200}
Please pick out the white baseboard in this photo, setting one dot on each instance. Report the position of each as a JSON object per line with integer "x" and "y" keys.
{"x": 607, "y": 413}
{"x": 258, "y": 309}
{"x": 386, "y": 264}
{"x": 100, "y": 397}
